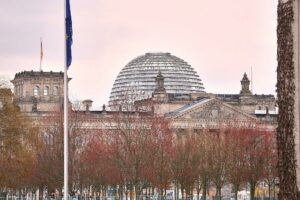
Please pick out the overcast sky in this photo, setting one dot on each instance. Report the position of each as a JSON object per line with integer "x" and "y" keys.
{"x": 220, "y": 39}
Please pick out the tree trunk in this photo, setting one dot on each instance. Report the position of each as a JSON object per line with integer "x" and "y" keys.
{"x": 182, "y": 193}
{"x": 235, "y": 194}
{"x": 218, "y": 194}
{"x": 236, "y": 188}
{"x": 126, "y": 194}
{"x": 204, "y": 191}
{"x": 131, "y": 193}
{"x": 165, "y": 193}
{"x": 288, "y": 189}
{"x": 136, "y": 192}
{"x": 176, "y": 191}
{"x": 198, "y": 190}
{"x": 161, "y": 191}
{"x": 40, "y": 193}
{"x": 252, "y": 190}
{"x": 269, "y": 188}
{"x": 274, "y": 191}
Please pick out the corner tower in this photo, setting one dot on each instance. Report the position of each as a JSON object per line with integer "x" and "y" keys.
{"x": 245, "y": 82}
{"x": 39, "y": 91}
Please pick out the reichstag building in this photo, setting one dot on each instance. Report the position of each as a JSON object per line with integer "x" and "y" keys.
{"x": 157, "y": 84}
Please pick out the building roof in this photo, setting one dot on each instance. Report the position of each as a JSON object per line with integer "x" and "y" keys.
{"x": 188, "y": 107}
{"x": 42, "y": 74}
{"x": 136, "y": 80}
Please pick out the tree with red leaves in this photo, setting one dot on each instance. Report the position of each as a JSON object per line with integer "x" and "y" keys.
{"x": 236, "y": 142}
{"x": 185, "y": 163}
{"x": 218, "y": 159}
{"x": 255, "y": 158}
{"x": 271, "y": 159}
{"x": 48, "y": 171}
{"x": 159, "y": 152}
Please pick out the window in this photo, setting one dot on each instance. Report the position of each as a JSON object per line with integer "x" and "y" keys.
{"x": 55, "y": 91}
{"x": 46, "y": 90}
{"x": 17, "y": 90}
{"x": 21, "y": 90}
{"x": 36, "y": 91}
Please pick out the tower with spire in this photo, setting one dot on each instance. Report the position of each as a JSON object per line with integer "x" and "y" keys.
{"x": 245, "y": 82}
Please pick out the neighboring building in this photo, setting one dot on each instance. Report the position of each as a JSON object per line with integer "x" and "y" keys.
{"x": 170, "y": 88}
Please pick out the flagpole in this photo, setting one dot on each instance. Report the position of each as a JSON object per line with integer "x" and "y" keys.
{"x": 251, "y": 81}
{"x": 66, "y": 192}
{"x": 41, "y": 50}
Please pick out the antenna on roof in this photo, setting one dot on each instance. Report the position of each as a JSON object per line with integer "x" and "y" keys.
{"x": 251, "y": 81}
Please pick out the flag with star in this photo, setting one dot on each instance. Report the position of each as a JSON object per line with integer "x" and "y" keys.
{"x": 69, "y": 34}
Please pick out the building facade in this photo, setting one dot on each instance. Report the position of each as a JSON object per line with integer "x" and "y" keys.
{"x": 38, "y": 90}
{"x": 188, "y": 108}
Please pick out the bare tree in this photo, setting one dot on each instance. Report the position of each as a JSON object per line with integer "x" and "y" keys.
{"x": 5, "y": 82}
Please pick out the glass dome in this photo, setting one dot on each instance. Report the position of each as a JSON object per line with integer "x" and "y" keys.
{"x": 136, "y": 80}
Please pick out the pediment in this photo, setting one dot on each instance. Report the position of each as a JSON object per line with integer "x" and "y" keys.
{"x": 210, "y": 110}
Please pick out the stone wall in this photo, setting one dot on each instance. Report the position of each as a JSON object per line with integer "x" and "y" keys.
{"x": 48, "y": 95}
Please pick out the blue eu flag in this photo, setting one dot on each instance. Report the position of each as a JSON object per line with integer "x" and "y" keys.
{"x": 69, "y": 33}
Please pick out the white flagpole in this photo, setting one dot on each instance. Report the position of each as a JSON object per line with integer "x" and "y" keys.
{"x": 66, "y": 192}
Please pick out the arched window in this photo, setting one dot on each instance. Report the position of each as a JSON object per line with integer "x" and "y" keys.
{"x": 36, "y": 90}
{"x": 46, "y": 91}
{"x": 55, "y": 90}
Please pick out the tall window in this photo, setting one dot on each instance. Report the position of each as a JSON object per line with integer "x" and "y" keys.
{"x": 55, "y": 90}
{"x": 21, "y": 90}
{"x": 36, "y": 91}
{"x": 17, "y": 90}
{"x": 46, "y": 91}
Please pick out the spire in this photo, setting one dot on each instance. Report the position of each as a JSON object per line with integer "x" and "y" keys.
{"x": 160, "y": 93}
{"x": 245, "y": 82}
{"x": 160, "y": 83}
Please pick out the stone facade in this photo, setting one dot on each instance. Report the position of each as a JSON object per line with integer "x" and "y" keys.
{"x": 186, "y": 112}
{"x": 38, "y": 91}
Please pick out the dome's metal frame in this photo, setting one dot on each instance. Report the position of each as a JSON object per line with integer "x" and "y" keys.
{"x": 136, "y": 80}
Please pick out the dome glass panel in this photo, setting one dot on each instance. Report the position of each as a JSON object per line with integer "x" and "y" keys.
{"x": 137, "y": 79}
